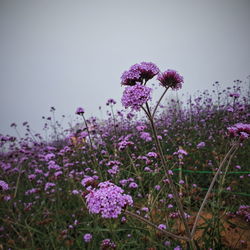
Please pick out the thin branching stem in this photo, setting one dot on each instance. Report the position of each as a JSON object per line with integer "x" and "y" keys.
{"x": 138, "y": 217}
{"x": 211, "y": 186}
{"x": 90, "y": 140}
{"x": 159, "y": 101}
{"x": 175, "y": 193}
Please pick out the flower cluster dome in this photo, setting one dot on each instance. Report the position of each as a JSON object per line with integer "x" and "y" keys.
{"x": 108, "y": 200}
{"x": 139, "y": 72}
{"x": 135, "y": 96}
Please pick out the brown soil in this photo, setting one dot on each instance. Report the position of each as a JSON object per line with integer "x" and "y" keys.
{"x": 236, "y": 233}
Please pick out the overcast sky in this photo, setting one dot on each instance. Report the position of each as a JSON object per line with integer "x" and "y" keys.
{"x": 72, "y": 53}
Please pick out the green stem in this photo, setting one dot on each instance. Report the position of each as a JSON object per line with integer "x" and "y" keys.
{"x": 85, "y": 122}
{"x": 210, "y": 188}
{"x": 138, "y": 217}
{"x": 18, "y": 180}
{"x": 175, "y": 193}
{"x": 159, "y": 101}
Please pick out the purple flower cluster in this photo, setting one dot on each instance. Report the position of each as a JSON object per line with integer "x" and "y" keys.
{"x": 235, "y": 95}
{"x": 4, "y": 185}
{"x": 152, "y": 154}
{"x": 162, "y": 226}
{"x": 201, "y": 145}
{"x": 145, "y": 136}
{"x": 108, "y": 244}
{"x": 79, "y": 111}
{"x": 48, "y": 185}
{"x": 171, "y": 79}
{"x": 110, "y": 102}
{"x": 240, "y": 130}
{"x": 88, "y": 180}
{"x": 87, "y": 237}
{"x": 244, "y": 211}
{"x": 181, "y": 152}
{"x": 108, "y": 200}
{"x": 138, "y": 73}
{"x": 175, "y": 215}
{"x": 124, "y": 142}
{"x": 135, "y": 96}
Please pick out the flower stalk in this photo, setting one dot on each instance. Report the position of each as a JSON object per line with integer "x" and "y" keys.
{"x": 234, "y": 147}
{"x": 171, "y": 183}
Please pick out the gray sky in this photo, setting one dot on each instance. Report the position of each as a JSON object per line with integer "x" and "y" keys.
{"x": 72, "y": 53}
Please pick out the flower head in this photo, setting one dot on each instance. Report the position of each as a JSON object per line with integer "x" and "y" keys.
{"x": 240, "y": 130}
{"x": 145, "y": 136}
{"x": 235, "y": 95}
{"x": 162, "y": 226}
{"x": 87, "y": 237}
{"x": 136, "y": 96}
{"x": 108, "y": 244}
{"x": 131, "y": 77}
{"x": 148, "y": 70}
{"x": 139, "y": 72}
{"x": 79, "y": 111}
{"x": 4, "y": 185}
{"x": 201, "y": 145}
{"x": 110, "y": 102}
{"x": 108, "y": 200}
{"x": 171, "y": 79}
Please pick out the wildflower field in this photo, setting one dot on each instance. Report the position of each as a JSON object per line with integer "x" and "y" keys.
{"x": 156, "y": 175}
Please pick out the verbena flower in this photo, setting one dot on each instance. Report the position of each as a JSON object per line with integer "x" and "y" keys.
{"x": 75, "y": 192}
{"x": 131, "y": 77}
{"x": 177, "y": 248}
{"x": 87, "y": 180}
{"x": 145, "y": 136}
{"x": 49, "y": 185}
{"x": 201, "y": 145}
{"x": 235, "y": 95}
{"x": 180, "y": 153}
{"x": 152, "y": 154}
{"x": 124, "y": 142}
{"x": 108, "y": 200}
{"x": 4, "y": 185}
{"x": 171, "y": 79}
{"x": 135, "y": 96}
{"x": 133, "y": 185}
{"x": 110, "y": 102}
{"x": 79, "y": 111}
{"x": 87, "y": 237}
{"x": 139, "y": 72}
{"x": 244, "y": 211}
{"x": 162, "y": 226}
{"x": 108, "y": 244}
{"x": 167, "y": 243}
{"x": 148, "y": 70}
{"x": 240, "y": 130}
{"x": 114, "y": 170}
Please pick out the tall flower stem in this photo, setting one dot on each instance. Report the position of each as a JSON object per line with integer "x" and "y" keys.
{"x": 234, "y": 146}
{"x": 85, "y": 122}
{"x": 175, "y": 193}
{"x": 91, "y": 145}
{"x": 159, "y": 101}
{"x": 18, "y": 180}
{"x": 115, "y": 130}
